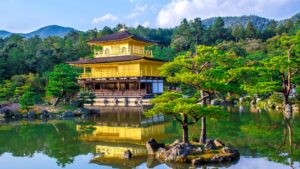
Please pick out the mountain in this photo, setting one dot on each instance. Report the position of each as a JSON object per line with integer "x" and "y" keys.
{"x": 51, "y": 30}
{"x": 4, "y": 34}
{"x": 294, "y": 18}
{"x": 259, "y": 22}
{"x": 44, "y": 32}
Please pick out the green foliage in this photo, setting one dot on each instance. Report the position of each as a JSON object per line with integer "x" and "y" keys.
{"x": 275, "y": 70}
{"x": 164, "y": 53}
{"x": 205, "y": 70}
{"x": 14, "y": 88}
{"x": 62, "y": 82}
{"x": 175, "y": 104}
{"x": 28, "y": 99}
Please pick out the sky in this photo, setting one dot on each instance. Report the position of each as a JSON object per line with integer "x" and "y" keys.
{"x": 24, "y": 16}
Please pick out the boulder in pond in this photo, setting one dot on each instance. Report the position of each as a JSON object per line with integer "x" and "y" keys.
{"x": 5, "y": 112}
{"x": 210, "y": 145}
{"x": 217, "y": 158}
{"x": 152, "y": 146}
{"x": 218, "y": 143}
{"x": 198, "y": 150}
{"x": 31, "y": 114}
{"x": 81, "y": 111}
{"x": 44, "y": 113}
{"x": 67, "y": 114}
{"x": 226, "y": 150}
{"x": 127, "y": 154}
{"x": 177, "y": 153}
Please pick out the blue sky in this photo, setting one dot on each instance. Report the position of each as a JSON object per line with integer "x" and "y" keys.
{"x": 29, "y": 15}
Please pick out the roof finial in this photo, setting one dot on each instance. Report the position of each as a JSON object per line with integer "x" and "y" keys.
{"x": 123, "y": 28}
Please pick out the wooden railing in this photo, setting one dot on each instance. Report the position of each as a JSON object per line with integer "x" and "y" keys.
{"x": 119, "y": 74}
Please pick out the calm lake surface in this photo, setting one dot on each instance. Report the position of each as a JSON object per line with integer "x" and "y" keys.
{"x": 263, "y": 139}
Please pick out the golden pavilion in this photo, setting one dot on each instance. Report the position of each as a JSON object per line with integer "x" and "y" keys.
{"x": 122, "y": 71}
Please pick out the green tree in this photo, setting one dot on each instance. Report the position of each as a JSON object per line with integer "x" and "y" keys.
{"x": 28, "y": 99}
{"x": 184, "y": 110}
{"x": 205, "y": 72}
{"x": 181, "y": 37}
{"x": 277, "y": 71}
{"x": 250, "y": 30}
{"x": 238, "y": 32}
{"x": 62, "y": 82}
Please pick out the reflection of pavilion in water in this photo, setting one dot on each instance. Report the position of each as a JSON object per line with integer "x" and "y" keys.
{"x": 123, "y": 128}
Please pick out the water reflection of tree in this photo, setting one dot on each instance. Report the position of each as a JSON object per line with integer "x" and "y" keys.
{"x": 259, "y": 135}
{"x": 288, "y": 127}
{"x": 59, "y": 142}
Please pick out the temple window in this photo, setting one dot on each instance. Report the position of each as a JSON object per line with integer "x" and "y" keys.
{"x": 106, "y": 51}
{"x": 123, "y": 50}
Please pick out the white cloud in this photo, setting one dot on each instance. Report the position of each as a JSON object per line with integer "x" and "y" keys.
{"x": 172, "y": 13}
{"x": 106, "y": 17}
{"x": 133, "y": 14}
{"x": 146, "y": 24}
{"x": 138, "y": 9}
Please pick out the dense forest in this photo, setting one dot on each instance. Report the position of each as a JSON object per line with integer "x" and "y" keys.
{"x": 26, "y": 62}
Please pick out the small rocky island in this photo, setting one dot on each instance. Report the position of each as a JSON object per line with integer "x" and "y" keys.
{"x": 214, "y": 151}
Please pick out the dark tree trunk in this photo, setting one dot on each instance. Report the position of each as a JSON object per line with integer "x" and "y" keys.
{"x": 203, "y": 131}
{"x": 202, "y": 138}
{"x": 185, "y": 129}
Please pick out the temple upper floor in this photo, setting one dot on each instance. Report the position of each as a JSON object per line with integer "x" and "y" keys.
{"x": 121, "y": 50}
{"x": 121, "y": 43}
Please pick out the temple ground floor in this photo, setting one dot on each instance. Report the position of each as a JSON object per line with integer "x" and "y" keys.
{"x": 123, "y": 91}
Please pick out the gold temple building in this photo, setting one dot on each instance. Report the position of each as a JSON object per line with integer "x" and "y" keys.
{"x": 122, "y": 71}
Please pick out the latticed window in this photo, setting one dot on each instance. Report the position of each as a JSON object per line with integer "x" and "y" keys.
{"x": 123, "y": 50}
{"x": 106, "y": 51}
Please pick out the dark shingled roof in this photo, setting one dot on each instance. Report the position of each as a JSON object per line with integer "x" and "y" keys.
{"x": 121, "y": 35}
{"x": 113, "y": 59}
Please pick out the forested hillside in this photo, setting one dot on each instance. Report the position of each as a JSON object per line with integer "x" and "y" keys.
{"x": 27, "y": 61}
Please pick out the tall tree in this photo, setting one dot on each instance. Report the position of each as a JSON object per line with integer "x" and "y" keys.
{"x": 250, "y": 30}
{"x": 238, "y": 32}
{"x": 204, "y": 71}
{"x": 62, "y": 82}
{"x": 278, "y": 71}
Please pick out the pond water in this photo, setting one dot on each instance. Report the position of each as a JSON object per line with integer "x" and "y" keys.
{"x": 263, "y": 139}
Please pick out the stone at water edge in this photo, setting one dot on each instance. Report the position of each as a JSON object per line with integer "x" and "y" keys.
{"x": 210, "y": 145}
{"x": 226, "y": 150}
{"x": 44, "y": 113}
{"x": 198, "y": 150}
{"x": 218, "y": 158}
{"x": 152, "y": 146}
{"x": 218, "y": 143}
{"x": 127, "y": 154}
{"x": 31, "y": 114}
{"x": 81, "y": 111}
{"x": 5, "y": 112}
{"x": 68, "y": 114}
{"x": 176, "y": 153}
